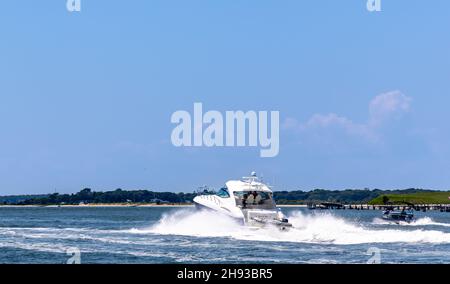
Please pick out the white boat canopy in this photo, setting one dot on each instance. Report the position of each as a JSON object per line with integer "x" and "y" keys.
{"x": 247, "y": 185}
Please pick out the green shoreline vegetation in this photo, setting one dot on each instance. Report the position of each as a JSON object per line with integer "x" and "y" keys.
{"x": 435, "y": 197}
{"x": 146, "y": 197}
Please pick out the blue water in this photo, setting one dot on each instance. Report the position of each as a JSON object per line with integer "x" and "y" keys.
{"x": 183, "y": 235}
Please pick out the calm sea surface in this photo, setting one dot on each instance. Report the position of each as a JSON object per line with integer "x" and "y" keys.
{"x": 184, "y": 235}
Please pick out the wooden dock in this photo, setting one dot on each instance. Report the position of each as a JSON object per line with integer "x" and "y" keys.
{"x": 417, "y": 207}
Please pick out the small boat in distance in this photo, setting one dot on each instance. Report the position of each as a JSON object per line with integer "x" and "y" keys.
{"x": 249, "y": 201}
{"x": 398, "y": 216}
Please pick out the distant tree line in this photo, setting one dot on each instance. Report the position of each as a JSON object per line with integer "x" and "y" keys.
{"x": 348, "y": 196}
{"x": 117, "y": 196}
{"x": 17, "y": 199}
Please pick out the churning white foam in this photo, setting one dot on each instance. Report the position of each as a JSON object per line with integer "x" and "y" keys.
{"x": 198, "y": 223}
{"x": 427, "y": 221}
{"x": 424, "y": 221}
{"x": 318, "y": 228}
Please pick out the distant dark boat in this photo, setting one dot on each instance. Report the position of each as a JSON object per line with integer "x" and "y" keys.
{"x": 398, "y": 216}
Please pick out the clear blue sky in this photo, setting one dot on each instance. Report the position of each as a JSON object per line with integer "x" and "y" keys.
{"x": 86, "y": 98}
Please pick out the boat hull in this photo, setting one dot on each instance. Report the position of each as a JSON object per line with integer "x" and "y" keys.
{"x": 200, "y": 207}
{"x": 252, "y": 222}
{"x": 398, "y": 217}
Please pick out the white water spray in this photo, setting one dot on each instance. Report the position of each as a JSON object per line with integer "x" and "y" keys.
{"x": 319, "y": 228}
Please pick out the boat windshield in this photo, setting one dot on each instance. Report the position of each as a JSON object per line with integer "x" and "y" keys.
{"x": 254, "y": 199}
{"x": 223, "y": 192}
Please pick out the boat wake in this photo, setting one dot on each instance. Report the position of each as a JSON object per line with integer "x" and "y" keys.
{"x": 317, "y": 228}
{"x": 425, "y": 221}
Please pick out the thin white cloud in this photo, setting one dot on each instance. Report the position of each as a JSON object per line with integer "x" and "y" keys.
{"x": 381, "y": 109}
{"x": 385, "y": 106}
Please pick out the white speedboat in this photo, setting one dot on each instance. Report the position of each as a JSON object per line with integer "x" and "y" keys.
{"x": 249, "y": 201}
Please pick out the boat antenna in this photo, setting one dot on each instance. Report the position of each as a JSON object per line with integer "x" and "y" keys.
{"x": 253, "y": 177}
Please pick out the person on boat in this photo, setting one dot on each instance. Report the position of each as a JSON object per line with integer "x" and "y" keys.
{"x": 251, "y": 199}
{"x": 244, "y": 200}
{"x": 257, "y": 197}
